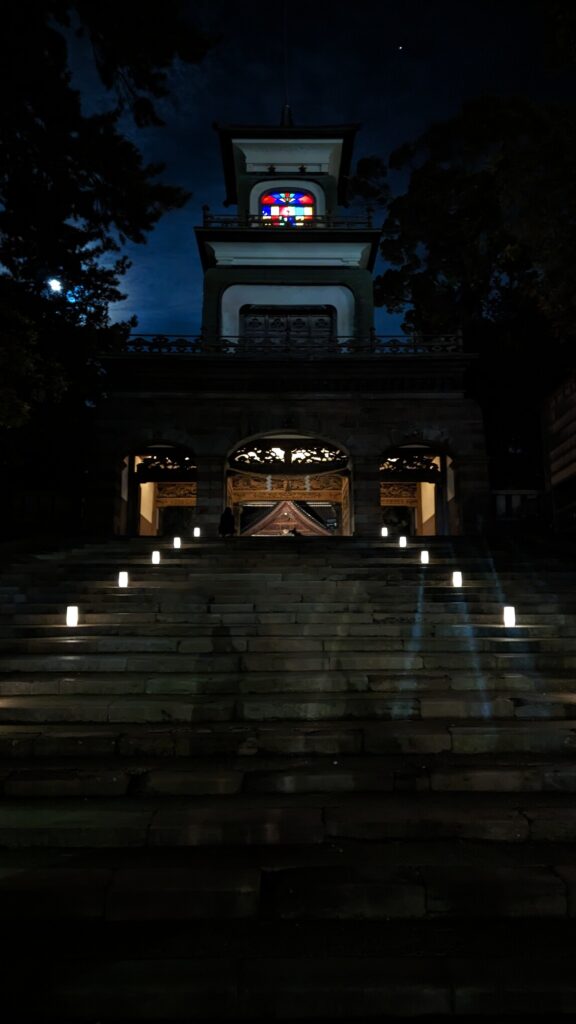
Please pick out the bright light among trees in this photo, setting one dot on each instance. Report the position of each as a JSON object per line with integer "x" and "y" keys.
{"x": 54, "y": 284}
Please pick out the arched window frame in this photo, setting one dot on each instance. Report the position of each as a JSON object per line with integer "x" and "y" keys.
{"x": 287, "y": 185}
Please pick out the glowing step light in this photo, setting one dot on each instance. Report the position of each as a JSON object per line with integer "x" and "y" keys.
{"x": 457, "y": 579}
{"x": 177, "y": 542}
{"x": 509, "y": 615}
{"x": 425, "y": 557}
{"x": 72, "y": 615}
{"x": 402, "y": 542}
{"x": 196, "y": 531}
{"x": 122, "y": 579}
{"x": 384, "y": 531}
{"x": 155, "y": 558}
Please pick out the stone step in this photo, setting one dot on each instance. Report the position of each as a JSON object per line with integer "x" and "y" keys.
{"x": 457, "y": 635}
{"x": 431, "y": 588}
{"x": 288, "y": 780}
{"x": 167, "y": 603}
{"x": 293, "y": 987}
{"x": 128, "y": 739}
{"x": 164, "y": 777}
{"x": 288, "y": 623}
{"x": 230, "y": 659}
{"x": 135, "y": 891}
{"x": 222, "y": 640}
{"x": 295, "y": 707}
{"x": 429, "y": 684}
{"x": 315, "y": 707}
{"x": 257, "y": 820}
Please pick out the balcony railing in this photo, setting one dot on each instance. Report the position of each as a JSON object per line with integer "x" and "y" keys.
{"x": 234, "y": 221}
{"x": 283, "y": 346}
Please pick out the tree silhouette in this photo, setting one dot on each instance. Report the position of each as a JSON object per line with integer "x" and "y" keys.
{"x": 73, "y": 188}
{"x": 482, "y": 237}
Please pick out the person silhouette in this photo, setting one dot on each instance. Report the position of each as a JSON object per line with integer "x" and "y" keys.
{"x": 226, "y": 527}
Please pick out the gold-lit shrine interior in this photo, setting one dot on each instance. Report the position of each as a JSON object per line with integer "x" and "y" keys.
{"x": 288, "y": 483}
{"x": 158, "y": 492}
{"x": 417, "y": 491}
{"x": 324, "y": 497}
{"x": 277, "y": 485}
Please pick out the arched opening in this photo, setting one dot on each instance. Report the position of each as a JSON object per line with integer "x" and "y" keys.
{"x": 309, "y": 311}
{"x": 417, "y": 491}
{"x": 287, "y": 208}
{"x": 285, "y": 484}
{"x": 158, "y": 491}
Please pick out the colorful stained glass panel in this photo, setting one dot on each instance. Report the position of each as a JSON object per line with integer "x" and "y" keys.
{"x": 287, "y": 208}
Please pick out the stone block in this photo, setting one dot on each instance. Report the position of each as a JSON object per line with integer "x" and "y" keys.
{"x": 118, "y": 988}
{"x": 48, "y": 784}
{"x": 470, "y": 661}
{"x": 538, "y": 738}
{"x": 216, "y": 740}
{"x": 337, "y": 988}
{"x": 494, "y": 892}
{"x": 144, "y": 644}
{"x": 486, "y": 780}
{"x": 415, "y": 819}
{"x": 25, "y": 688}
{"x": 101, "y": 685}
{"x": 183, "y": 894}
{"x": 75, "y": 742}
{"x": 382, "y": 662}
{"x": 215, "y": 644}
{"x": 235, "y": 825}
{"x": 559, "y": 778}
{"x": 347, "y": 894}
{"x": 283, "y": 663}
{"x": 56, "y": 709}
{"x": 149, "y": 743}
{"x": 283, "y": 645}
{"x": 155, "y": 663}
{"x": 16, "y": 742}
{"x": 537, "y": 987}
{"x": 451, "y": 707}
{"x": 383, "y": 739}
{"x": 192, "y": 782}
{"x": 53, "y": 894}
{"x": 309, "y": 740}
{"x": 72, "y": 824}
{"x": 552, "y": 824}
{"x": 313, "y": 780}
{"x": 152, "y": 710}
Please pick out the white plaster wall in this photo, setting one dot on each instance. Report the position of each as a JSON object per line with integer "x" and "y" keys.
{"x": 287, "y": 155}
{"x": 427, "y": 507}
{"x": 147, "y": 512}
{"x": 238, "y": 295}
{"x": 290, "y": 254}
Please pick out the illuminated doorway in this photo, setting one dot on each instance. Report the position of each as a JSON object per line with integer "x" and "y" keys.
{"x": 158, "y": 491}
{"x": 285, "y": 484}
{"x": 417, "y": 491}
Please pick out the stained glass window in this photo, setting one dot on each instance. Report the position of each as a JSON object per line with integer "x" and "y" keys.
{"x": 287, "y": 208}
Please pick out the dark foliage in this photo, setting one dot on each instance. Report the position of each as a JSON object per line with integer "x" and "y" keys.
{"x": 73, "y": 188}
{"x": 483, "y": 235}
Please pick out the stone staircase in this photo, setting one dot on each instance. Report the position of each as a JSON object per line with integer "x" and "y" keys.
{"x": 295, "y": 779}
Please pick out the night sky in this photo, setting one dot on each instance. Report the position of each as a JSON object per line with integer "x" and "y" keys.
{"x": 394, "y": 67}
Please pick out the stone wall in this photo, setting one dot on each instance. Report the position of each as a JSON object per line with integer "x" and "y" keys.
{"x": 213, "y": 424}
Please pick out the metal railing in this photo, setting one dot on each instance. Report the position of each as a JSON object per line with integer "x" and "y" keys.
{"x": 291, "y": 346}
{"x": 233, "y": 220}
